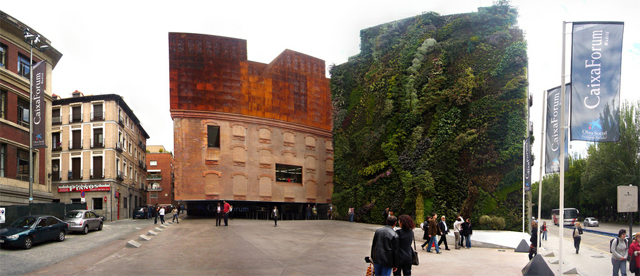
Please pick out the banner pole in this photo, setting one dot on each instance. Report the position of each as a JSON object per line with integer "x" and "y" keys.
{"x": 562, "y": 137}
{"x": 542, "y": 158}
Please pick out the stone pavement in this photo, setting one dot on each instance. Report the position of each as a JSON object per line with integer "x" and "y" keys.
{"x": 255, "y": 247}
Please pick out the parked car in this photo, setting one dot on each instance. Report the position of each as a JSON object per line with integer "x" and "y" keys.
{"x": 29, "y": 230}
{"x": 591, "y": 221}
{"x": 83, "y": 221}
{"x": 140, "y": 212}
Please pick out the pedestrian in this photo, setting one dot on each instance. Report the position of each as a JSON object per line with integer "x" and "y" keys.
{"x": 405, "y": 251}
{"x": 425, "y": 236}
{"x": 457, "y": 228}
{"x": 161, "y": 212}
{"x": 444, "y": 231}
{"x": 149, "y": 212}
{"x": 155, "y": 214}
{"x": 544, "y": 230}
{"x": 533, "y": 248}
{"x": 274, "y": 215}
{"x": 634, "y": 252}
{"x": 468, "y": 231}
{"x": 330, "y": 212}
{"x": 226, "y": 210}
{"x": 619, "y": 253}
{"x": 218, "y": 215}
{"x": 384, "y": 248}
{"x": 308, "y": 211}
{"x": 460, "y": 231}
{"x": 182, "y": 209}
{"x": 351, "y": 214}
{"x": 315, "y": 212}
{"x": 175, "y": 213}
{"x": 577, "y": 232}
{"x": 433, "y": 233}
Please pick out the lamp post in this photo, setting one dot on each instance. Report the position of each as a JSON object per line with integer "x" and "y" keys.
{"x": 33, "y": 41}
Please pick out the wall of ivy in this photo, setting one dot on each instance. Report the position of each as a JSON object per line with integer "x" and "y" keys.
{"x": 430, "y": 117}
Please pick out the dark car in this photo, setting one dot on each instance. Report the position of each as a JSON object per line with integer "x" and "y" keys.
{"x": 29, "y": 230}
{"x": 140, "y": 212}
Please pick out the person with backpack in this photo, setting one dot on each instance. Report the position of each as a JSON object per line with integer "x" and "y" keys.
{"x": 619, "y": 253}
{"x": 425, "y": 236}
{"x": 634, "y": 255}
{"x": 577, "y": 232}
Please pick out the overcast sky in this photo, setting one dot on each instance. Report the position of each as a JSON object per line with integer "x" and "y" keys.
{"x": 121, "y": 47}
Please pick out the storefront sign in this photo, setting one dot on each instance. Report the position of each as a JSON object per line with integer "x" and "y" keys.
{"x": 100, "y": 187}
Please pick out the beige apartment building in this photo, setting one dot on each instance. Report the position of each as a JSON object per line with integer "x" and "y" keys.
{"x": 99, "y": 148}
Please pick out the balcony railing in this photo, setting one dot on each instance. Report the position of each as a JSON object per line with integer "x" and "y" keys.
{"x": 75, "y": 119}
{"x": 151, "y": 188}
{"x": 97, "y": 144}
{"x": 97, "y": 116}
{"x": 75, "y": 146}
{"x": 56, "y": 120}
{"x": 120, "y": 120}
{"x": 141, "y": 164}
{"x": 142, "y": 146}
{"x": 154, "y": 177}
{"x": 119, "y": 147}
{"x": 55, "y": 176}
{"x": 57, "y": 147}
{"x": 23, "y": 176}
{"x": 97, "y": 175}
{"x": 119, "y": 176}
{"x": 71, "y": 175}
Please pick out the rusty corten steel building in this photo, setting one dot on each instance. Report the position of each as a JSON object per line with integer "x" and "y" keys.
{"x": 247, "y": 132}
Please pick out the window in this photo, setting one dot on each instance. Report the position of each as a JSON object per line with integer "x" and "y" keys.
{"x": 56, "y": 142}
{"x": 97, "y": 203}
{"x": 213, "y": 136}
{"x": 56, "y": 119}
{"x": 125, "y": 203}
{"x": 3, "y": 149}
{"x": 76, "y": 114}
{"x": 75, "y": 200}
{"x": 23, "y": 113}
{"x": 97, "y": 115}
{"x": 3, "y": 55}
{"x": 3, "y": 103}
{"x": 23, "y": 66}
{"x": 98, "y": 138}
{"x": 154, "y": 195}
{"x": 288, "y": 173}
{"x": 124, "y": 167}
{"x": 153, "y": 163}
{"x": 23, "y": 165}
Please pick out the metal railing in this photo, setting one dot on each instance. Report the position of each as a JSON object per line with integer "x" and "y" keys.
{"x": 97, "y": 144}
{"x": 100, "y": 174}
{"x": 119, "y": 147}
{"x": 55, "y": 176}
{"x": 120, "y": 120}
{"x": 97, "y": 116}
{"x": 57, "y": 146}
{"x": 56, "y": 120}
{"x": 75, "y": 118}
{"x": 75, "y": 146}
{"x": 71, "y": 177}
{"x": 119, "y": 176}
{"x": 154, "y": 177}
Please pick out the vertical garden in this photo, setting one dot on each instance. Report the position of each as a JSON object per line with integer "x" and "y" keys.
{"x": 430, "y": 117}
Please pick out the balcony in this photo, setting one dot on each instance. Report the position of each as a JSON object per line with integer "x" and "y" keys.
{"x": 119, "y": 176}
{"x": 140, "y": 164}
{"x": 97, "y": 116}
{"x": 119, "y": 147}
{"x": 154, "y": 188}
{"x": 97, "y": 144}
{"x": 75, "y": 145}
{"x": 97, "y": 175}
{"x": 56, "y": 120}
{"x": 55, "y": 176}
{"x": 75, "y": 118}
{"x": 71, "y": 177}
{"x": 57, "y": 147}
{"x": 142, "y": 146}
{"x": 120, "y": 120}
{"x": 154, "y": 177}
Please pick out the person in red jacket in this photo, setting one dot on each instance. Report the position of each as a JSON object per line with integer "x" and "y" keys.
{"x": 634, "y": 252}
{"x": 226, "y": 210}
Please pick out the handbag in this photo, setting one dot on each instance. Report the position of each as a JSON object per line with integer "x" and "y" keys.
{"x": 415, "y": 260}
{"x": 632, "y": 265}
{"x": 369, "y": 270}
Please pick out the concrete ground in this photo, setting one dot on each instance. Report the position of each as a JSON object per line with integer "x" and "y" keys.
{"x": 256, "y": 247}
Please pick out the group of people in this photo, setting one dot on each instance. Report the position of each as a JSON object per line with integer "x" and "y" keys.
{"x": 223, "y": 211}
{"x": 158, "y": 211}
{"x": 312, "y": 212}
{"x": 391, "y": 250}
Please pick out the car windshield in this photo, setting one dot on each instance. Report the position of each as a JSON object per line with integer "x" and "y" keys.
{"x": 73, "y": 215}
{"x": 24, "y": 222}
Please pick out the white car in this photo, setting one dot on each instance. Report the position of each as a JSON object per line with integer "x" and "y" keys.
{"x": 590, "y": 221}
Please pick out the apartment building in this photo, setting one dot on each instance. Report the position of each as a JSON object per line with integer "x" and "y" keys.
{"x": 14, "y": 115}
{"x": 160, "y": 179}
{"x": 99, "y": 151}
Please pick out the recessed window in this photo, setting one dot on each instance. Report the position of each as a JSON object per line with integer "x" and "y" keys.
{"x": 97, "y": 203}
{"x": 23, "y": 165}
{"x": 3, "y": 164}
{"x": 23, "y": 66}
{"x": 288, "y": 173}
{"x": 213, "y": 136}
{"x": 153, "y": 163}
{"x": 3, "y": 55}
{"x": 23, "y": 113}
{"x": 3, "y": 103}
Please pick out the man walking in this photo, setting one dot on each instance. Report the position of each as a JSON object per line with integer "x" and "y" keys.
{"x": 457, "y": 229}
{"x": 149, "y": 211}
{"x": 218, "y": 215}
{"x": 308, "y": 211}
{"x": 156, "y": 209}
{"x": 161, "y": 212}
{"x": 384, "y": 249}
{"x": 274, "y": 214}
{"x": 444, "y": 231}
{"x": 226, "y": 208}
{"x": 433, "y": 233}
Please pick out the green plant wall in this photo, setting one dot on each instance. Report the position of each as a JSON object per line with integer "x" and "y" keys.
{"x": 430, "y": 117}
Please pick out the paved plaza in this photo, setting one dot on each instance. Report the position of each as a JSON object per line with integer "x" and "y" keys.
{"x": 256, "y": 247}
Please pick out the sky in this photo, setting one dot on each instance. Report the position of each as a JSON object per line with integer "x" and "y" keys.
{"x": 121, "y": 47}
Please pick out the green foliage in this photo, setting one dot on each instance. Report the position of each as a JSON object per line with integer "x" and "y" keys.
{"x": 429, "y": 118}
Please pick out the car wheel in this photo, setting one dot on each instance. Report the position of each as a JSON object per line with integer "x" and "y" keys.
{"x": 28, "y": 242}
{"x": 100, "y": 227}
{"x": 85, "y": 230}
{"x": 61, "y": 236}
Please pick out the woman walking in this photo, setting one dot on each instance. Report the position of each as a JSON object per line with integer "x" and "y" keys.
{"x": 425, "y": 236}
{"x": 533, "y": 249}
{"x": 634, "y": 252}
{"x": 544, "y": 231}
{"x": 576, "y": 236}
{"x": 405, "y": 251}
{"x": 175, "y": 213}
{"x": 619, "y": 253}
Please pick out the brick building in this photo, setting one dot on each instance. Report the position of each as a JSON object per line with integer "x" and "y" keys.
{"x": 160, "y": 178}
{"x": 254, "y": 134}
{"x": 14, "y": 116}
{"x": 99, "y": 147}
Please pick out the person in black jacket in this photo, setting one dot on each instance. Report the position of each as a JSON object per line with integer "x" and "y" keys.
{"x": 533, "y": 248}
{"x": 384, "y": 249}
{"x": 468, "y": 231}
{"x": 425, "y": 237}
{"x": 405, "y": 252}
{"x": 444, "y": 231}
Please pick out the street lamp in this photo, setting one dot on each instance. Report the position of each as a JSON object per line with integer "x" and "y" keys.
{"x": 33, "y": 41}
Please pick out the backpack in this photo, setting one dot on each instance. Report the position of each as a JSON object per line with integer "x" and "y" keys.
{"x": 611, "y": 243}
